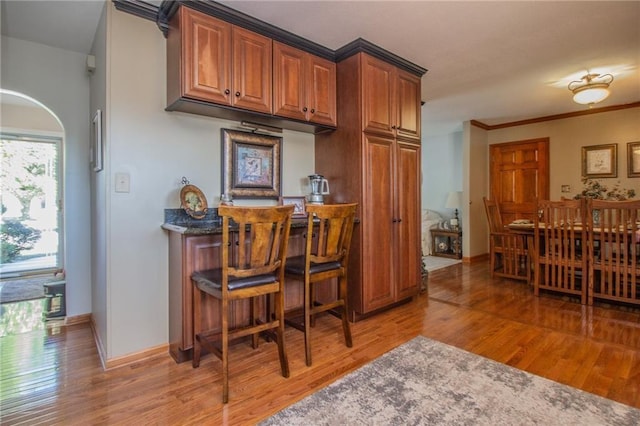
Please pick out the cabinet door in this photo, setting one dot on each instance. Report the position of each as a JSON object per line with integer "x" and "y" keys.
{"x": 408, "y": 101}
{"x": 378, "y": 95}
{"x": 289, "y": 81}
{"x": 377, "y": 224}
{"x": 321, "y": 90}
{"x": 200, "y": 253}
{"x": 407, "y": 227}
{"x": 251, "y": 71}
{"x": 206, "y": 57}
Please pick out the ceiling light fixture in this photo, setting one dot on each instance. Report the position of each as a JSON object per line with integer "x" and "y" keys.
{"x": 591, "y": 88}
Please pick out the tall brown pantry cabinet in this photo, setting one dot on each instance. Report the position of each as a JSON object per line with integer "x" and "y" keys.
{"x": 373, "y": 158}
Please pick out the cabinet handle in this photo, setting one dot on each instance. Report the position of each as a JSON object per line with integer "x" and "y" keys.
{"x": 394, "y": 220}
{"x": 399, "y": 220}
{"x": 313, "y": 111}
{"x": 393, "y": 127}
{"x": 237, "y": 94}
{"x": 304, "y": 109}
{"x": 226, "y": 92}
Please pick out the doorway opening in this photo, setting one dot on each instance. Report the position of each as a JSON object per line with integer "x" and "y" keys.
{"x": 31, "y": 216}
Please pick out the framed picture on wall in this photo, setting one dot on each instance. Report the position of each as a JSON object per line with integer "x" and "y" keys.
{"x": 96, "y": 147}
{"x": 633, "y": 159}
{"x": 250, "y": 164}
{"x": 600, "y": 161}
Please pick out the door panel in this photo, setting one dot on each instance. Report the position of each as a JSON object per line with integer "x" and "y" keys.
{"x": 377, "y": 219}
{"x": 408, "y": 241}
{"x": 519, "y": 175}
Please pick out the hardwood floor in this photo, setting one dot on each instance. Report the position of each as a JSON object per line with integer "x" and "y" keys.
{"x": 54, "y": 376}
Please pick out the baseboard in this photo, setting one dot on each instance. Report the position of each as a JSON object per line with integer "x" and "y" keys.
{"x": 475, "y": 259}
{"x": 160, "y": 350}
{"x": 77, "y": 319}
{"x": 113, "y": 363}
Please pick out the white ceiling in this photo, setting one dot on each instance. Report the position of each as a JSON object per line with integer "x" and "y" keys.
{"x": 494, "y": 62}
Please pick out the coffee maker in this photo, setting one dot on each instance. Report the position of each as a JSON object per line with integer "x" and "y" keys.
{"x": 319, "y": 187}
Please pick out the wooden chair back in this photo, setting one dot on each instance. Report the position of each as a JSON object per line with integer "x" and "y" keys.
{"x": 508, "y": 251}
{"x": 334, "y": 231}
{"x": 614, "y": 250}
{"x": 494, "y": 217}
{"x": 560, "y": 247}
{"x": 262, "y": 247}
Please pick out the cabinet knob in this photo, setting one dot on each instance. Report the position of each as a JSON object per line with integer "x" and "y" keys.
{"x": 237, "y": 94}
{"x": 304, "y": 109}
{"x": 313, "y": 111}
{"x": 226, "y": 92}
{"x": 393, "y": 127}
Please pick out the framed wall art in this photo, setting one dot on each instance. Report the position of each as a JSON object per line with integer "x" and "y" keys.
{"x": 299, "y": 210}
{"x": 600, "y": 161}
{"x": 251, "y": 164}
{"x": 633, "y": 159}
{"x": 96, "y": 146}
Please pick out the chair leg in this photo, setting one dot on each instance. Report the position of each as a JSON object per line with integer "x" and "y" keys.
{"x": 346, "y": 328}
{"x": 284, "y": 362}
{"x": 254, "y": 321}
{"x": 195, "y": 361}
{"x": 225, "y": 351}
{"x": 307, "y": 321}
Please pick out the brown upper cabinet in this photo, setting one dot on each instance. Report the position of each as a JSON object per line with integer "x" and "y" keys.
{"x": 213, "y": 61}
{"x": 304, "y": 85}
{"x": 393, "y": 106}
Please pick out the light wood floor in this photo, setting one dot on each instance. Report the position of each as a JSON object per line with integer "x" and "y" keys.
{"x": 54, "y": 376}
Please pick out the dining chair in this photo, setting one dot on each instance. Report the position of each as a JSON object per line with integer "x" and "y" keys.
{"x": 252, "y": 267}
{"x": 560, "y": 255}
{"x": 614, "y": 250}
{"x": 508, "y": 251}
{"x": 326, "y": 256}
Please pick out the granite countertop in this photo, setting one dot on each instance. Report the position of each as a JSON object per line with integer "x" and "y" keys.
{"x": 176, "y": 220}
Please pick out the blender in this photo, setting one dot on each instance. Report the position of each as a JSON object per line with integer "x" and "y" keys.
{"x": 319, "y": 188}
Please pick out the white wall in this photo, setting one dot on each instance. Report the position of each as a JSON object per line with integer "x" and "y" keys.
{"x": 441, "y": 170}
{"x": 99, "y": 288}
{"x": 57, "y": 79}
{"x": 156, "y": 148}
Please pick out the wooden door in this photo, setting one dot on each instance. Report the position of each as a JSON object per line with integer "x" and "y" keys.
{"x": 206, "y": 57}
{"x": 408, "y": 114}
{"x": 378, "y": 96}
{"x": 252, "y": 70}
{"x": 321, "y": 90}
{"x": 378, "y": 283}
{"x": 519, "y": 174}
{"x": 289, "y": 82}
{"x": 407, "y": 245}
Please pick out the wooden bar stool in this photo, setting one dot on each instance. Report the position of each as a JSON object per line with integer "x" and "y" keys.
{"x": 329, "y": 230}
{"x": 251, "y": 268}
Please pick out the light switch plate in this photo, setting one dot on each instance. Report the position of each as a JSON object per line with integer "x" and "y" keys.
{"x": 123, "y": 182}
{"x": 565, "y": 188}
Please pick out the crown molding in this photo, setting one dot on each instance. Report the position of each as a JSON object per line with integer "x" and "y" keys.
{"x": 162, "y": 15}
{"x": 590, "y": 111}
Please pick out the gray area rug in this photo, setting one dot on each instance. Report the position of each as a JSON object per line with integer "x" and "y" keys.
{"x": 433, "y": 263}
{"x": 424, "y": 382}
{"x": 22, "y": 289}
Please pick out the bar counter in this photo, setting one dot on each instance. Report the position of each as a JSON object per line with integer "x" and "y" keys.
{"x": 196, "y": 245}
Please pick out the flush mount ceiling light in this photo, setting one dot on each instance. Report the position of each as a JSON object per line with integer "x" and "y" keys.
{"x": 591, "y": 89}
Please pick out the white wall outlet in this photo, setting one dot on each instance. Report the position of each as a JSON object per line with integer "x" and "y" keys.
{"x": 123, "y": 182}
